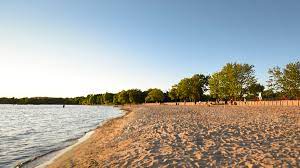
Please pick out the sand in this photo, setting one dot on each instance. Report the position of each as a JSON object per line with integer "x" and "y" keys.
{"x": 193, "y": 136}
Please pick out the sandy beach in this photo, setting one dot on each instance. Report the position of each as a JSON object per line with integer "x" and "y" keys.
{"x": 194, "y": 136}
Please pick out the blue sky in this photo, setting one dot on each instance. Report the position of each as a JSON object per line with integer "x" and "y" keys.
{"x": 72, "y": 48}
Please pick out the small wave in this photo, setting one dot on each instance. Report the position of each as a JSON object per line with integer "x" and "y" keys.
{"x": 37, "y": 160}
{"x": 32, "y": 162}
{"x": 50, "y": 129}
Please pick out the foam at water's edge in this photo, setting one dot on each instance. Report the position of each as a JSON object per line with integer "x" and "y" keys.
{"x": 61, "y": 152}
{"x": 49, "y": 158}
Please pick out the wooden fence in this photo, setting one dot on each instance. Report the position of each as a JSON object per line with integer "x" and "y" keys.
{"x": 238, "y": 103}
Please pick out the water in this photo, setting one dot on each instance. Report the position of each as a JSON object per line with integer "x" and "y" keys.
{"x": 28, "y": 131}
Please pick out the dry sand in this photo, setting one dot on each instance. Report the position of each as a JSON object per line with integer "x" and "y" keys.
{"x": 194, "y": 136}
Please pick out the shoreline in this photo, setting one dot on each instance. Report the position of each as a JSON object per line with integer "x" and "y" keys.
{"x": 64, "y": 150}
{"x": 160, "y": 136}
{"x": 107, "y": 124}
{"x": 48, "y": 158}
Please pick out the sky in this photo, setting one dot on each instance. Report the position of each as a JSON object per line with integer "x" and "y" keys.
{"x": 67, "y": 48}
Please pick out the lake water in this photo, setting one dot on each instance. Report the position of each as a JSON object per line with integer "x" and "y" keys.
{"x": 29, "y": 131}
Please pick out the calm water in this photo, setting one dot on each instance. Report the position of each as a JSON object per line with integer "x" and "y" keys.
{"x": 28, "y": 131}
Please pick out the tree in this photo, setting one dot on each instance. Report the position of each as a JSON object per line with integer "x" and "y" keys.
{"x": 99, "y": 99}
{"x": 192, "y": 89}
{"x": 123, "y": 97}
{"x": 198, "y": 86}
{"x": 135, "y": 96}
{"x": 215, "y": 85}
{"x": 155, "y": 95}
{"x": 173, "y": 93}
{"x": 115, "y": 101}
{"x": 92, "y": 99}
{"x": 232, "y": 81}
{"x": 286, "y": 80}
{"x": 270, "y": 94}
{"x": 166, "y": 97}
{"x": 275, "y": 79}
{"x": 184, "y": 89}
{"x": 256, "y": 88}
{"x": 108, "y": 98}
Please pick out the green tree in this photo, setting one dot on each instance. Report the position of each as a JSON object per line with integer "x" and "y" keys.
{"x": 108, "y": 98}
{"x": 199, "y": 84}
{"x": 270, "y": 94}
{"x": 99, "y": 99}
{"x": 155, "y": 95}
{"x": 185, "y": 89}
{"x": 232, "y": 81}
{"x": 116, "y": 99}
{"x": 191, "y": 89}
{"x": 92, "y": 99}
{"x": 123, "y": 97}
{"x": 173, "y": 93}
{"x": 214, "y": 83}
{"x": 286, "y": 80}
{"x": 135, "y": 96}
{"x": 256, "y": 88}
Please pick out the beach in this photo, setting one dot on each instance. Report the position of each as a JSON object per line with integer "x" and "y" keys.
{"x": 192, "y": 136}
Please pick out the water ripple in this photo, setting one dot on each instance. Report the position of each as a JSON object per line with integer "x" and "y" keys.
{"x": 27, "y": 131}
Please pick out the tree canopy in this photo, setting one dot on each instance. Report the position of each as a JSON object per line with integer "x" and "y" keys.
{"x": 191, "y": 89}
{"x": 173, "y": 93}
{"x": 286, "y": 80}
{"x": 155, "y": 95}
{"x": 135, "y": 96}
{"x": 232, "y": 81}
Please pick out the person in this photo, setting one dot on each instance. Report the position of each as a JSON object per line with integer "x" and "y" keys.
{"x": 259, "y": 96}
{"x": 63, "y": 106}
{"x": 245, "y": 101}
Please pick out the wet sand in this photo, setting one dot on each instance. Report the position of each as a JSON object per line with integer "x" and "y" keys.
{"x": 193, "y": 136}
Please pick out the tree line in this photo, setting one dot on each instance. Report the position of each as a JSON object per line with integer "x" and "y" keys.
{"x": 234, "y": 81}
{"x": 38, "y": 100}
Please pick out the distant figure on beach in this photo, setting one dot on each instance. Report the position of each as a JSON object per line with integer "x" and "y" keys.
{"x": 245, "y": 100}
{"x": 259, "y": 96}
{"x": 231, "y": 101}
{"x": 63, "y": 106}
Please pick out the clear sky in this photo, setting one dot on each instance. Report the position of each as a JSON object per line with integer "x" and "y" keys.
{"x": 73, "y": 48}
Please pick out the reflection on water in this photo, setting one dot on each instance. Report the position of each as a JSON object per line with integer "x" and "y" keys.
{"x": 27, "y": 131}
